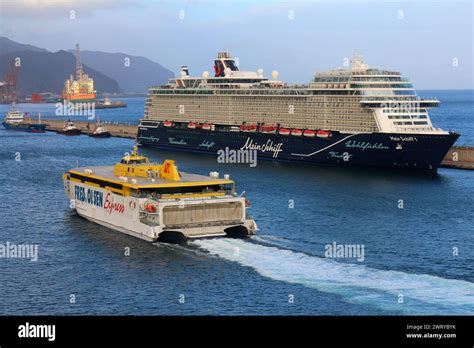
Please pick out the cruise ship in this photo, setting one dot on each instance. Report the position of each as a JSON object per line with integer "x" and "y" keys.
{"x": 356, "y": 116}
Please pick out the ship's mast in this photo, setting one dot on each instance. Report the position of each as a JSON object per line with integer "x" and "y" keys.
{"x": 357, "y": 62}
{"x": 79, "y": 71}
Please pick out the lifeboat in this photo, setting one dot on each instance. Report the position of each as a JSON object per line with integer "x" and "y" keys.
{"x": 309, "y": 133}
{"x": 296, "y": 132}
{"x": 168, "y": 124}
{"x": 208, "y": 126}
{"x": 267, "y": 129}
{"x": 323, "y": 134}
{"x": 192, "y": 125}
{"x": 248, "y": 128}
{"x": 284, "y": 131}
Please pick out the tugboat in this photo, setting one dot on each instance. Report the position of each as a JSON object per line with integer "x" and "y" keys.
{"x": 70, "y": 129}
{"x": 14, "y": 120}
{"x": 100, "y": 132}
{"x": 158, "y": 203}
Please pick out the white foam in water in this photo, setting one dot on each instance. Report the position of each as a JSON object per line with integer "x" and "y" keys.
{"x": 356, "y": 283}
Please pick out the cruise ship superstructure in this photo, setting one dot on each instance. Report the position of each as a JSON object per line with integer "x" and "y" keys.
{"x": 354, "y": 116}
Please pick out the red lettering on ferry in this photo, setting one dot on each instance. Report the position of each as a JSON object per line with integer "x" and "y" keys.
{"x": 110, "y": 206}
{"x": 167, "y": 168}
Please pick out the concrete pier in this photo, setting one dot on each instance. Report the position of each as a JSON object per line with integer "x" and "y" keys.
{"x": 115, "y": 129}
{"x": 459, "y": 157}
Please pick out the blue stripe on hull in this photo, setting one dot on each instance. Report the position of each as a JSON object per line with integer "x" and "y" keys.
{"x": 411, "y": 151}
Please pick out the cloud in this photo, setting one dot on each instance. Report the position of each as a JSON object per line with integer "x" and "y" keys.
{"x": 52, "y": 8}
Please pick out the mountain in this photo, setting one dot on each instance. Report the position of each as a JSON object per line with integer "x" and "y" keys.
{"x": 8, "y": 46}
{"x": 43, "y": 71}
{"x": 135, "y": 77}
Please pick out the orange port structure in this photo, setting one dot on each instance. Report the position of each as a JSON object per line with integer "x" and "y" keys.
{"x": 80, "y": 89}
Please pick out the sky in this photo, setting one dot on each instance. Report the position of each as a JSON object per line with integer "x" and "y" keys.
{"x": 429, "y": 41}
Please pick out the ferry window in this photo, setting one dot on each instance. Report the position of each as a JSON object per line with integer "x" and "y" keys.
{"x": 141, "y": 161}
{"x": 191, "y": 189}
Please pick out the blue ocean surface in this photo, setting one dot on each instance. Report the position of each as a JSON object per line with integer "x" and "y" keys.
{"x": 418, "y": 256}
{"x": 455, "y": 113}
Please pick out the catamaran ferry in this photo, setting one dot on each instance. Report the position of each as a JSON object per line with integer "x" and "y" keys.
{"x": 355, "y": 116}
{"x": 157, "y": 202}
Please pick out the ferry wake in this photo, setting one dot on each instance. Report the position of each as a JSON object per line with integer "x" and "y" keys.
{"x": 157, "y": 202}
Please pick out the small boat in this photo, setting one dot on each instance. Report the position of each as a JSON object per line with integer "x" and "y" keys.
{"x": 107, "y": 104}
{"x": 284, "y": 131}
{"x": 157, "y": 202}
{"x": 14, "y": 120}
{"x": 267, "y": 129}
{"x": 168, "y": 124}
{"x": 296, "y": 132}
{"x": 309, "y": 133}
{"x": 248, "y": 128}
{"x": 70, "y": 129}
{"x": 192, "y": 125}
{"x": 100, "y": 132}
{"x": 323, "y": 134}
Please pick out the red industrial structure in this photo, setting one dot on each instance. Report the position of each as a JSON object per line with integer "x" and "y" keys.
{"x": 36, "y": 98}
{"x": 8, "y": 86}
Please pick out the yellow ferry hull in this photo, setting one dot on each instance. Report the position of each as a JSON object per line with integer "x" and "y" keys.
{"x": 171, "y": 221}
